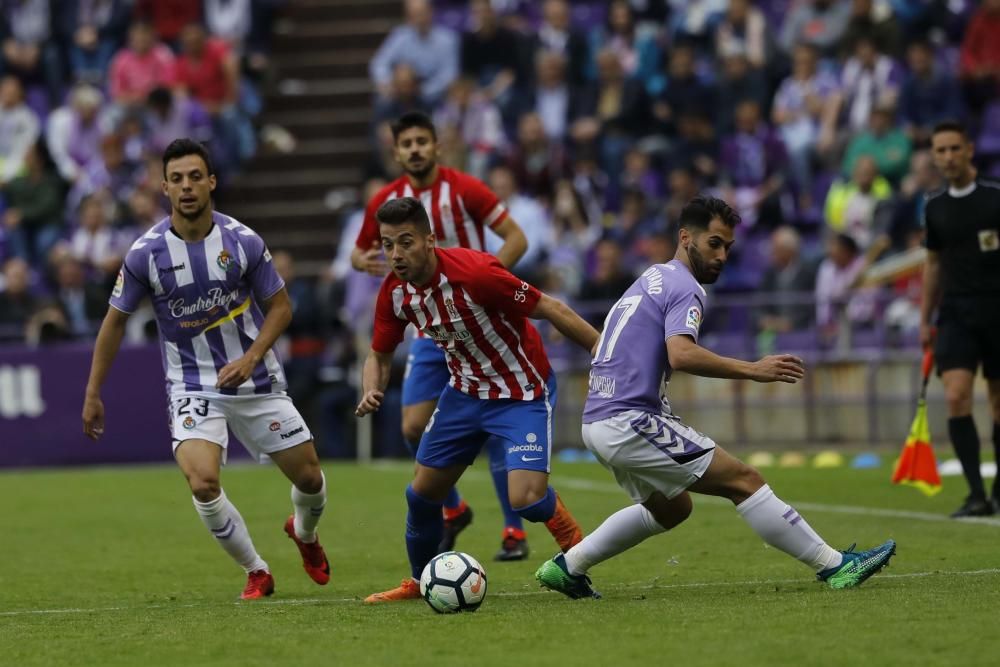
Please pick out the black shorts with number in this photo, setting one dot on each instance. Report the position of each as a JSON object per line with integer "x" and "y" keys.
{"x": 968, "y": 333}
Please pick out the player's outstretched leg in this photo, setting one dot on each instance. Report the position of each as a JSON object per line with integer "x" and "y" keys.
{"x": 424, "y": 526}
{"x": 200, "y": 462}
{"x": 514, "y": 543}
{"x": 782, "y": 527}
{"x": 567, "y": 573}
{"x": 534, "y": 500}
{"x": 301, "y": 465}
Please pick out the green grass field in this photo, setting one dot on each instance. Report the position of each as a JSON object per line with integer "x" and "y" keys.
{"x": 112, "y": 567}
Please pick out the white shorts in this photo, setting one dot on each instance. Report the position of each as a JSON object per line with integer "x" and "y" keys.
{"x": 263, "y": 423}
{"x": 648, "y": 452}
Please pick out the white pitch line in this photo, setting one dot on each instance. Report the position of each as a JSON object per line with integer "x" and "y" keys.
{"x": 639, "y": 585}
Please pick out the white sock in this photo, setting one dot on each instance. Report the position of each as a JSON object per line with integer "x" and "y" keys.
{"x": 308, "y": 510}
{"x": 223, "y": 520}
{"x": 621, "y": 531}
{"x": 783, "y": 528}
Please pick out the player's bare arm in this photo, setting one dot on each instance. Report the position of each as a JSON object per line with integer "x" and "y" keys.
{"x": 931, "y": 296}
{"x": 374, "y": 380}
{"x": 371, "y": 261}
{"x": 278, "y": 315}
{"x": 567, "y": 322}
{"x": 109, "y": 339}
{"x": 515, "y": 243}
{"x": 686, "y": 355}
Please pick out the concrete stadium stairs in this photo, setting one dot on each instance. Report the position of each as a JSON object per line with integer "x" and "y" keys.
{"x": 322, "y": 95}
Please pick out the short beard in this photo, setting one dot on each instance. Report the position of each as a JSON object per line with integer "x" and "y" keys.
{"x": 191, "y": 217}
{"x": 700, "y": 269}
{"x": 422, "y": 172}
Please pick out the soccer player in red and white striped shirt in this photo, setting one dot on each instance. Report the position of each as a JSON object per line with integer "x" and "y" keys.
{"x": 459, "y": 207}
{"x": 500, "y": 383}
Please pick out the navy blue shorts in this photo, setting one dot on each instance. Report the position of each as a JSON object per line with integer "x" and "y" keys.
{"x": 461, "y": 424}
{"x": 426, "y": 372}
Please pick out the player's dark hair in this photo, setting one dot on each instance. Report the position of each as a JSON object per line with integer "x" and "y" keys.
{"x": 403, "y": 210}
{"x": 179, "y": 148}
{"x": 412, "y": 119}
{"x": 698, "y": 214}
{"x": 950, "y": 126}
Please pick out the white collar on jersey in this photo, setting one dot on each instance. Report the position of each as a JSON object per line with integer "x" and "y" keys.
{"x": 962, "y": 192}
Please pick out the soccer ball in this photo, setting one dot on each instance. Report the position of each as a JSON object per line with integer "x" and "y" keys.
{"x": 453, "y": 582}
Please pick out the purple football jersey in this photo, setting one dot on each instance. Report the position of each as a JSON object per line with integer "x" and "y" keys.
{"x": 630, "y": 370}
{"x": 205, "y": 296}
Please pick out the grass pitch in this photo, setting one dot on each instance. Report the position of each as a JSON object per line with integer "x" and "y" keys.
{"x": 112, "y": 567}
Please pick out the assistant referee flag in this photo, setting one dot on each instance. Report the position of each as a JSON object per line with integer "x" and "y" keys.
{"x": 917, "y": 466}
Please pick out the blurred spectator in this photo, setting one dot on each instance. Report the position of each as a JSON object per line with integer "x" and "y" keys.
{"x": 19, "y": 128}
{"x": 869, "y": 21}
{"x": 752, "y": 168}
{"x": 537, "y": 160}
{"x": 229, "y": 20}
{"x": 207, "y": 70}
{"x": 304, "y": 333}
{"x": 474, "y": 120}
{"x": 696, "y": 146}
{"x": 140, "y": 67}
{"x": 744, "y": 30}
{"x": 738, "y": 82}
{"x": 682, "y": 185}
{"x": 613, "y": 114}
{"x": 979, "y": 66}
{"x": 804, "y": 101}
{"x": 143, "y": 211}
{"x": 74, "y": 131}
{"x": 529, "y": 215}
{"x": 34, "y": 215}
{"x": 870, "y": 79}
{"x": 17, "y": 302}
{"x": 850, "y": 206}
{"x": 787, "y": 279}
{"x": 884, "y": 142}
{"x": 91, "y": 30}
{"x": 168, "y": 17}
{"x": 491, "y": 54}
{"x": 640, "y": 175}
{"x": 557, "y": 35}
{"x": 685, "y": 93}
{"x": 633, "y": 225}
{"x": 29, "y": 52}
{"x": 431, "y": 50}
{"x": 609, "y": 279}
{"x": 84, "y": 303}
{"x": 553, "y": 99}
{"x": 403, "y": 97}
{"x": 95, "y": 243}
{"x": 112, "y": 172}
{"x": 169, "y": 116}
{"x": 907, "y": 214}
{"x": 930, "y": 94}
{"x": 694, "y": 20}
{"x": 574, "y": 234}
{"x": 637, "y": 50}
{"x": 821, "y": 23}
{"x": 835, "y": 281}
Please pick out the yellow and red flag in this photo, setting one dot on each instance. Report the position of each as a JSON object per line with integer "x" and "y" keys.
{"x": 917, "y": 466}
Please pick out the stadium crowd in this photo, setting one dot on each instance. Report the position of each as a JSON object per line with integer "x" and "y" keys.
{"x": 91, "y": 92}
{"x": 594, "y": 121}
{"x": 597, "y": 121}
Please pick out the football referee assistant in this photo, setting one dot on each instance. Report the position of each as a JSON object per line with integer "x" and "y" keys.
{"x": 962, "y": 284}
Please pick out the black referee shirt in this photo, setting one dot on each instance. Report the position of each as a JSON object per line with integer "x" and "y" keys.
{"x": 964, "y": 228}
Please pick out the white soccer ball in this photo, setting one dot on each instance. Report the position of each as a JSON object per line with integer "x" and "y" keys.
{"x": 453, "y": 582}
